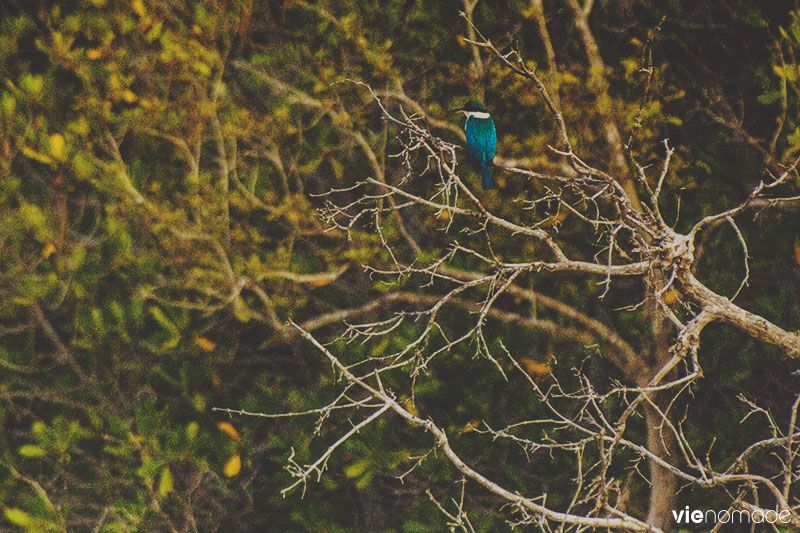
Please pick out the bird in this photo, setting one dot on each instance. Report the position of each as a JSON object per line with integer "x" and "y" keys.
{"x": 481, "y": 138}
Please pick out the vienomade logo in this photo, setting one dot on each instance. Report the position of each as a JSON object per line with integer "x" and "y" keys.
{"x": 737, "y": 516}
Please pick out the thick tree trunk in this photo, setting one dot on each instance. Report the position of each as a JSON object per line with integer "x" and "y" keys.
{"x": 663, "y": 485}
{"x": 660, "y": 440}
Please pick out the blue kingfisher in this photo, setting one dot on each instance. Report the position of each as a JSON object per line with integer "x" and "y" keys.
{"x": 481, "y": 138}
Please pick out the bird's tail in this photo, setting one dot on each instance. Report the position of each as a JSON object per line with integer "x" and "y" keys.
{"x": 486, "y": 174}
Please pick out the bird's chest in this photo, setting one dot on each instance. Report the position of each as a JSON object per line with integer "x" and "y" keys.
{"x": 480, "y": 134}
{"x": 479, "y": 129}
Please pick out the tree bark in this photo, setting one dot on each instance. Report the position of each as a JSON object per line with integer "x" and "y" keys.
{"x": 660, "y": 440}
{"x": 663, "y": 485}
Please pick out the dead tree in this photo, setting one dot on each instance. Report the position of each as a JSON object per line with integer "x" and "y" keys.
{"x": 585, "y": 419}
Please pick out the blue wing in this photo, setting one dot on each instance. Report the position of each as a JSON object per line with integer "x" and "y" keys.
{"x": 481, "y": 142}
{"x": 481, "y": 138}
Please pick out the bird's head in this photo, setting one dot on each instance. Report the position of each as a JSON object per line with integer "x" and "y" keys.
{"x": 473, "y": 106}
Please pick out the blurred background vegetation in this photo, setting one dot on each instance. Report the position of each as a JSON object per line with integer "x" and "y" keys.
{"x": 158, "y": 166}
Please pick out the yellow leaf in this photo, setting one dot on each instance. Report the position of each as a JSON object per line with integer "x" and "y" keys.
{"x": 537, "y": 369}
{"x": 472, "y": 425}
{"x": 670, "y": 297}
{"x": 205, "y": 344}
{"x": 444, "y": 214}
{"x": 129, "y": 96}
{"x": 411, "y": 408}
{"x": 94, "y": 53}
{"x": 37, "y": 156}
{"x": 568, "y": 77}
{"x": 461, "y": 42}
{"x": 154, "y": 32}
{"x": 138, "y": 7}
{"x": 57, "y": 145}
{"x": 18, "y": 516}
{"x": 227, "y": 427}
{"x": 48, "y": 250}
{"x": 233, "y": 466}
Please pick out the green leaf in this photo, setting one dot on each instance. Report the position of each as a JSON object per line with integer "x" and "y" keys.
{"x": 147, "y": 471}
{"x": 768, "y": 97}
{"x": 364, "y": 480}
{"x": 165, "y": 482}
{"x": 415, "y": 527}
{"x": 8, "y": 103}
{"x": 32, "y": 84}
{"x": 39, "y": 429}
{"x": 18, "y": 516}
{"x": 240, "y": 310}
{"x": 118, "y": 451}
{"x": 199, "y": 402}
{"x": 83, "y": 167}
{"x": 356, "y": 469}
{"x": 338, "y": 168}
{"x": 31, "y": 450}
{"x": 34, "y": 219}
{"x": 191, "y": 430}
{"x": 162, "y": 319}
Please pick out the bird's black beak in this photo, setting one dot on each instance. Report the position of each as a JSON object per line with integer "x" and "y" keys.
{"x": 457, "y": 109}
